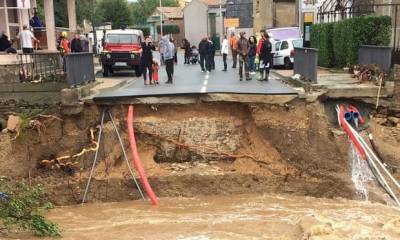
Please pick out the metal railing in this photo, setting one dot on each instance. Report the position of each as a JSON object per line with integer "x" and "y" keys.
{"x": 79, "y": 68}
{"x": 41, "y": 67}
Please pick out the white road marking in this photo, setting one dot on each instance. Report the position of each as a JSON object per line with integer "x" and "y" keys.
{"x": 205, "y": 83}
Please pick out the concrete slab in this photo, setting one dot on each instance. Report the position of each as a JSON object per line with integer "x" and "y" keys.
{"x": 188, "y": 79}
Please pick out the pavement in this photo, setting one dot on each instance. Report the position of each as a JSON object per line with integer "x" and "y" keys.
{"x": 188, "y": 79}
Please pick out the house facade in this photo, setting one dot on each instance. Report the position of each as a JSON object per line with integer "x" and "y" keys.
{"x": 170, "y": 16}
{"x": 203, "y": 18}
{"x": 275, "y": 13}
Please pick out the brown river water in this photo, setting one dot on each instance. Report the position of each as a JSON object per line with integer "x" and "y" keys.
{"x": 230, "y": 217}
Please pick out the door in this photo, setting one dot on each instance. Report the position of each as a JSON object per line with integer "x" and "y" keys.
{"x": 280, "y": 49}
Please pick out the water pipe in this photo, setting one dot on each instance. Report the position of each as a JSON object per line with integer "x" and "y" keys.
{"x": 345, "y": 125}
{"x": 358, "y": 140}
{"x": 372, "y": 158}
{"x": 377, "y": 159}
{"x": 136, "y": 158}
{"x": 353, "y": 110}
{"x": 348, "y": 116}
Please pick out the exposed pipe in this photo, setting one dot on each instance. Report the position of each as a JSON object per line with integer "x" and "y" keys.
{"x": 370, "y": 155}
{"x": 136, "y": 158}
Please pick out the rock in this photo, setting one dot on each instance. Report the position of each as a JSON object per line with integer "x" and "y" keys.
{"x": 14, "y": 123}
{"x": 394, "y": 120}
{"x": 393, "y": 225}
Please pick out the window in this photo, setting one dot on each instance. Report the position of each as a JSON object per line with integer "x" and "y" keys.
{"x": 277, "y": 45}
{"x": 284, "y": 45}
{"x": 297, "y": 43}
{"x": 122, "y": 38}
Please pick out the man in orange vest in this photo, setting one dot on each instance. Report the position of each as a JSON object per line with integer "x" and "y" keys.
{"x": 232, "y": 44}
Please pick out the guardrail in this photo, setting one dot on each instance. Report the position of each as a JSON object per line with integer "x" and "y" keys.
{"x": 306, "y": 63}
{"x": 379, "y": 55}
{"x": 79, "y": 68}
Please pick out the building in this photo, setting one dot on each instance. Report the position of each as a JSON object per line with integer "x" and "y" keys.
{"x": 170, "y": 16}
{"x": 203, "y": 18}
{"x": 275, "y": 13}
{"x": 16, "y": 13}
{"x": 241, "y": 9}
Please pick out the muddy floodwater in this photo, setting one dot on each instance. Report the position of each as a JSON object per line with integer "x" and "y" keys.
{"x": 230, "y": 217}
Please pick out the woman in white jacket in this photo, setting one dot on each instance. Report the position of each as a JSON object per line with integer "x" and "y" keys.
{"x": 225, "y": 51}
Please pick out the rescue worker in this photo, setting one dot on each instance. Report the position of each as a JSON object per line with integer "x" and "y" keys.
{"x": 232, "y": 43}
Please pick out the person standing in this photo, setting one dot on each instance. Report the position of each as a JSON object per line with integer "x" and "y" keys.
{"x": 169, "y": 52}
{"x": 76, "y": 45}
{"x": 233, "y": 44}
{"x": 265, "y": 58}
{"x": 211, "y": 54}
{"x": 161, "y": 50}
{"x": 252, "y": 54}
{"x": 203, "y": 46}
{"x": 84, "y": 43}
{"x": 26, "y": 39}
{"x": 225, "y": 51}
{"x": 186, "y": 47}
{"x": 242, "y": 48}
{"x": 147, "y": 60}
{"x": 64, "y": 43}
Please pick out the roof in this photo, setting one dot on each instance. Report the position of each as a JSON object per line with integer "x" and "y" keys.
{"x": 213, "y": 2}
{"x": 171, "y": 12}
{"x": 126, "y": 31}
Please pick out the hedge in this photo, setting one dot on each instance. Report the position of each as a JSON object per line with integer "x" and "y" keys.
{"x": 169, "y": 29}
{"x": 338, "y": 42}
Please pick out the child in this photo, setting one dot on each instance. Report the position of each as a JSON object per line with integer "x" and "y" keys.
{"x": 155, "y": 67}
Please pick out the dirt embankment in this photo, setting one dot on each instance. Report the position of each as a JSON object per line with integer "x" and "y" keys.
{"x": 188, "y": 150}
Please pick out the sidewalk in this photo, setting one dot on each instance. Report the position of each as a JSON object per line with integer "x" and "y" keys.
{"x": 339, "y": 84}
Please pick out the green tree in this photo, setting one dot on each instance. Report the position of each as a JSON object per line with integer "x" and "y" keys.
{"x": 117, "y": 12}
{"x": 142, "y": 9}
{"x": 84, "y": 10}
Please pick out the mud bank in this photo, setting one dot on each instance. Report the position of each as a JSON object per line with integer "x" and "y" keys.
{"x": 205, "y": 148}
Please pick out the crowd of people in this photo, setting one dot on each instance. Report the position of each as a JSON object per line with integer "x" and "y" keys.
{"x": 252, "y": 54}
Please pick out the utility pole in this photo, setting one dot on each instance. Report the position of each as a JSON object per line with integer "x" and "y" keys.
{"x": 161, "y": 20}
{"x": 221, "y": 18}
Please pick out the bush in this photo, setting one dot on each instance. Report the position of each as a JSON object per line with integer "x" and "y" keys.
{"x": 21, "y": 208}
{"x": 145, "y": 30}
{"x": 338, "y": 42}
{"x": 169, "y": 29}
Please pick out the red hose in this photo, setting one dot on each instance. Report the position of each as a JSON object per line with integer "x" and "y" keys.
{"x": 346, "y": 128}
{"x": 136, "y": 158}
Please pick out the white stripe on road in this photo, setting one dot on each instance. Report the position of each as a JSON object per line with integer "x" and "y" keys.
{"x": 205, "y": 83}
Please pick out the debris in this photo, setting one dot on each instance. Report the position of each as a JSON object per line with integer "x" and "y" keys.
{"x": 14, "y": 123}
{"x": 369, "y": 72}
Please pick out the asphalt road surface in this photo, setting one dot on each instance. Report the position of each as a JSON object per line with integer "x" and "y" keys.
{"x": 188, "y": 79}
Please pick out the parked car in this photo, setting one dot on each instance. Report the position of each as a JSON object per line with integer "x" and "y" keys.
{"x": 284, "y": 52}
{"x": 122, "y": 50}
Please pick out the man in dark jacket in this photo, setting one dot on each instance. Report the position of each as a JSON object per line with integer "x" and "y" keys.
{"x": 186, "y": 47}
{"x": 147, "y": 60}
{"x": 242, "y": 48}
{"x": 265, "y": 57}
{"x": 76, "y": 45}
{"x": 203, "y": 49}
{"x": 211, "y": 54}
